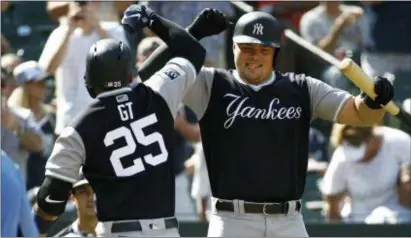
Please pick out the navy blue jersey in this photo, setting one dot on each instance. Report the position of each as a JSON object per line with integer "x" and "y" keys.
{"x": 123, "y": 141}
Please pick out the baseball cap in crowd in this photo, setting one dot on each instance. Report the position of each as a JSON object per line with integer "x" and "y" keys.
{"x": 29, "y": 71}
{"x": 148, "y": 45}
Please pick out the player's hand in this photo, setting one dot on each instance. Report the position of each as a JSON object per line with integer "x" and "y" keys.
{"x": 136, "y": 17}
{"x": 209, "y": 22}
{"x": 385, "y": 93}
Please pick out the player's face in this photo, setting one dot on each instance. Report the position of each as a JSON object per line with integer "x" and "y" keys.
{"x": 254, "y": 62}
{"x": 83, "y": 197}
{"x": 36, "y": 90}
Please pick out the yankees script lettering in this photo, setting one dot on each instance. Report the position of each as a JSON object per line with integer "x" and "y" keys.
{"x": 238, "y": 107}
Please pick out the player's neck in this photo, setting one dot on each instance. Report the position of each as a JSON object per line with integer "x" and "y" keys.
{"x": 256, "y": 81}
{"x": 86, "y": 223}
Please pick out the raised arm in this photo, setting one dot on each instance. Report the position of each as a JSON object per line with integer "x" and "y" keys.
{"x": 181, "y": 43}
{"x": 208, "y": 22}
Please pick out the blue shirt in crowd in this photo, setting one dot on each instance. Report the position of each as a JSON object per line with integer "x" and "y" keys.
{"x": 317, "y": 146}
{"x": 15, "y": 208}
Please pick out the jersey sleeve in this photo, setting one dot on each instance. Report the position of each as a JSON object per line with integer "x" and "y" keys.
{"x": 198, "y": 96}
{"x": 67, "y": 157}
{"x": 326, "y": 101}
{"x": 172, "y": 82}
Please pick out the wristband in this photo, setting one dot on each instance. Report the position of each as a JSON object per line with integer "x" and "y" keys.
{"x": 370, "y": 102}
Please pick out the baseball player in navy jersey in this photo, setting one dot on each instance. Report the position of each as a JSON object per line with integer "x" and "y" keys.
{"x": 123, "y": 139}
{"x": 255, "y": 125}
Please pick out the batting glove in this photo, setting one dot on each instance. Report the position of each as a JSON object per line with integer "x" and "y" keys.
{"x": 384, "y": 90}
{"x": 136, "y": 17}
{"x": 209, "y": 22}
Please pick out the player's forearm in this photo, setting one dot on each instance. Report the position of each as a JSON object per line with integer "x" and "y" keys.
{"x": 180, "y": 42}
{"x": 51, "y": 202}
{"x": 43, "y": 220}
{"x": 368, "y": 116}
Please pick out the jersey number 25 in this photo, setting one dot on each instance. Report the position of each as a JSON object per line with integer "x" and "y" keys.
{"x": 136, "y": 129}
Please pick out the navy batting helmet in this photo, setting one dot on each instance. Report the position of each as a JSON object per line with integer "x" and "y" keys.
{"x": 108, "y": 65}
{"x": 259, "y": 28}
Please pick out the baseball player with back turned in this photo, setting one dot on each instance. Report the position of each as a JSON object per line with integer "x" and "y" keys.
{"x": 255, "y": 125}
{"x": 123, "y": 139}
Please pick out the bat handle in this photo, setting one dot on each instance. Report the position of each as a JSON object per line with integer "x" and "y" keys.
{"x": 363, "y": 81}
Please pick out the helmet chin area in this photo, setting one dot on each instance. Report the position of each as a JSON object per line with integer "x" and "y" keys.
{"x": 91, "y": 92}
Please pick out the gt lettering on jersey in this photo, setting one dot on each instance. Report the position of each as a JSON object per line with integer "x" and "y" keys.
{"x": 126, "y": 111}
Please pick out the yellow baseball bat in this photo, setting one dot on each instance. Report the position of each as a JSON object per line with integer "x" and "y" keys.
{"x": 353, "y": 72}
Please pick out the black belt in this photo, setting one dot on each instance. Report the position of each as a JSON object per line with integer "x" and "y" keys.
{"x": 262, "y": 208}
{"x": 129, "y": 226}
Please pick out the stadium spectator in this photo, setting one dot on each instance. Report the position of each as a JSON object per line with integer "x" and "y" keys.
{"x": 5, "y": 45}
{"x": 338, "y": 29}
{"x": 317, "y": 149}
{"x": 10, "y": 61}
{"x": 387, "y": 47}
{"x": 83, "y": 198}
{"x": 289, "y": 13}
{"x": 26, "y": 102}
{"x": 15, "y": 208}
{"x": 365, "y": 167}
{"x": 147, "y": 46}
{"x": 183, "y": 14}
{"x": 200, "y": 188}
{"x": 65, "y": 55}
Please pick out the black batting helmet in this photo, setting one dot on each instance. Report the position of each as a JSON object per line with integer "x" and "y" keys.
{"x": 259, "y": 28}
{"x": 108, "y": 65}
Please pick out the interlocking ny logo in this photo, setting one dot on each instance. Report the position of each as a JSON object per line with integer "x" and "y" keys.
{"x": 258, "y": 29}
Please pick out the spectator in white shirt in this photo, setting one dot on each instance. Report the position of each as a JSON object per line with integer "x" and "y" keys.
{"x": 65, "y": 56}
{"x": 337, "y": 29}
{"x": 365, "y": 167}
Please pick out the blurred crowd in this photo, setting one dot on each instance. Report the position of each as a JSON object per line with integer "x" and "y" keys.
{"x": 354, "y": 174}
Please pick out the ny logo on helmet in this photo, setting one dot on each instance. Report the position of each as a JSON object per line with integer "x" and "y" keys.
{"x": 258, "y": 29}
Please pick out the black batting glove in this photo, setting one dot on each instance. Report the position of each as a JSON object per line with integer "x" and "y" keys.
{"x": 136, "y": 17}
{"x": 384, "y": 90}
{"x": 209, "y": 22}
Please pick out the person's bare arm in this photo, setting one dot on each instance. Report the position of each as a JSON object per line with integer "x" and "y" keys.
{"x": 56, "y": 47}
{"x": 190, "y": 131}
{"x": 356, "y": 113}
{"x": 55, "y": 10}
{"x": 404, "y": 187}
{"x": 336, "y": 105}
{"x": 328, "y": 43}
{"x": 333, "y": 206}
